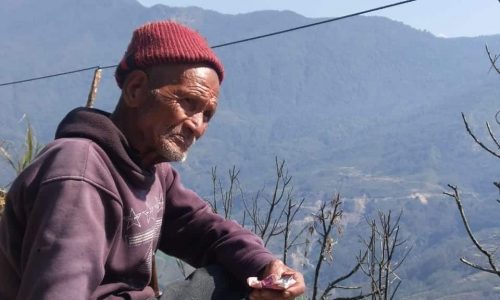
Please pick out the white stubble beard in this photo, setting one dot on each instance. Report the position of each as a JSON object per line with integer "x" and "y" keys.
{"x": 173, "y": 155}
{"x": 185, "y": 154}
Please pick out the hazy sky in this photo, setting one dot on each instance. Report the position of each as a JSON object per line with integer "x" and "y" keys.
{"x": 449, "y": 18}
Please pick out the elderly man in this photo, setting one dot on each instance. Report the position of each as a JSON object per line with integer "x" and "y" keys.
{"x": 84, "y": 220}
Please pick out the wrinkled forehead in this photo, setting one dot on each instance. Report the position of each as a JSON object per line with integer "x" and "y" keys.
{"x": 182, "y": 74}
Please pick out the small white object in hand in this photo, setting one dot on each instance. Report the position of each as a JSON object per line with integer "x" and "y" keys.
{"x": 272, "y": 282}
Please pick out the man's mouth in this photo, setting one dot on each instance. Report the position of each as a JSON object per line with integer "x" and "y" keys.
{"x": 183, "y": 141}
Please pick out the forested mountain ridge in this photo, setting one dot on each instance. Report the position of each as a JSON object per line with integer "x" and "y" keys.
{"x": 365, "y": 106}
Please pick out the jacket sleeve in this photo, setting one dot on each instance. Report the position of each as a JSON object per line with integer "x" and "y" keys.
{"x": 192, "y": 232}
{"x": 67, "y": 240}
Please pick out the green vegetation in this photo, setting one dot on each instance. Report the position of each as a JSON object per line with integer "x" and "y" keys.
{"x": 18, "y": 163}
{"x": 29, "y": 151}
{"x": 2, "y": 200}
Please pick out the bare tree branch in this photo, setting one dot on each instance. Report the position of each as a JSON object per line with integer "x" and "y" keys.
{"x": 492, "y": 136}
{"x": 477, "y": 140}
{"x": 224, "y": 196}
{"x": 395, "y": 290}
{"x": 342, "y": 287}
{"x": 402, "y": 259}
{"x": 455, "y": 195}
{"x": 326, "y": 219}
{"x": 475, "y": 266}
{"x": 333, "y": 285}
{"x": 281, "y": 183}
{"x": 359, "y": 297}
{"x": 291, "y": 211}
{"x": 493, "y": 60}
{"x": 383, "y": 248}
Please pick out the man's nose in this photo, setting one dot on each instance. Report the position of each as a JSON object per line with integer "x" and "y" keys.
{"x": 196, "y": 125}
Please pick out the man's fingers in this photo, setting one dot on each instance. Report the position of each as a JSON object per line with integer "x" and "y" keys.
{"x": 299, "y": 287}
{"x": 278, "y": 268}
{"x": 295, "y": 290}
{"x": 270, "y": 295}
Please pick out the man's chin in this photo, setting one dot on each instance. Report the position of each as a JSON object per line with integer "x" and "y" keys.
{"x": 184, "y": 154}
{"x": 170, "y": 156}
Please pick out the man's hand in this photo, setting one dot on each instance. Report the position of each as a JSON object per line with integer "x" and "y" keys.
{"x": 278, "y": 267}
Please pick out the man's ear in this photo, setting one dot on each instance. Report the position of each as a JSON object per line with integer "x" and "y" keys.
{"x": 135, "y": 88}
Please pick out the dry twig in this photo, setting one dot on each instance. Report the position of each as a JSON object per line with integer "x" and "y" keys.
{"x": 493, "y": 59}
{"x": 467, "y": 127}
{"x": 491, "y": 261}
{"x": 93, "y": 87}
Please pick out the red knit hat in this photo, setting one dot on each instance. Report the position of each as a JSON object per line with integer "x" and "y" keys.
{"x": 166, "y": 42}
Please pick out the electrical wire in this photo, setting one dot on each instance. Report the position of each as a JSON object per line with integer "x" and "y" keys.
{"x": 313, "y": 24}
{"x": 57, "y": 74}
{"x": 227, "y": 44}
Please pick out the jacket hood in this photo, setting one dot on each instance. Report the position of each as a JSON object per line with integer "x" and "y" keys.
{"x": 96, "y": 125}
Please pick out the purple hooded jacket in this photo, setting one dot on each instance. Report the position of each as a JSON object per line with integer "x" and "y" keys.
{"x": 83, "y": 221}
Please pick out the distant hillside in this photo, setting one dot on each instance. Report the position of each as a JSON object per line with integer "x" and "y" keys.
{"x": 367, "y": 106}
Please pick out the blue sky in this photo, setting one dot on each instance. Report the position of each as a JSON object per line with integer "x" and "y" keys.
{"x": 450, "y": 18}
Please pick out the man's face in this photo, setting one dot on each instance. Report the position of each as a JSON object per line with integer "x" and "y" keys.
{"x": 181, "y": 102}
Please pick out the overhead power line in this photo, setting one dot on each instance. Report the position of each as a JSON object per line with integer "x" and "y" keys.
{"x": 229, "y": 43}
{"x": 57, "y": 74}
{"x": 313, "y": 24}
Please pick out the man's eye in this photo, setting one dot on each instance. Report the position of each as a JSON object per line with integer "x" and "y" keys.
{"x": 207, "y": 115}
{"x": 188, "y": 103}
